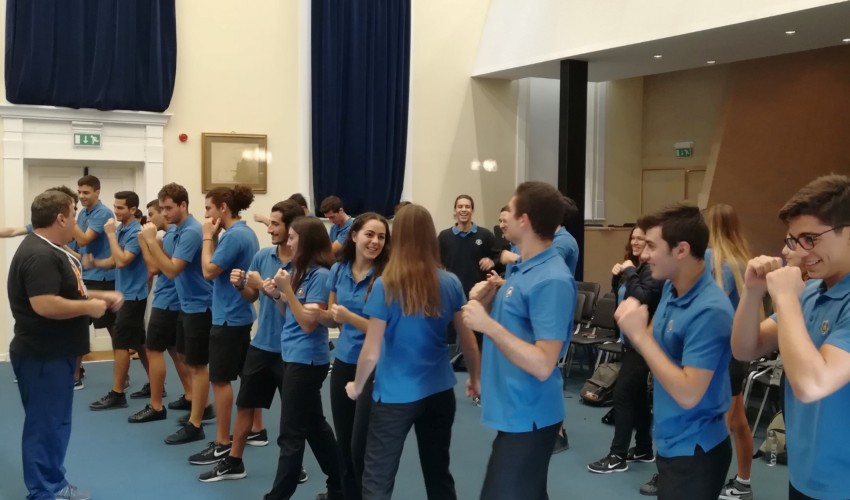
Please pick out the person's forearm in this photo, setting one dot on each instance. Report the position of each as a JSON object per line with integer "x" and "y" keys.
{"x": 210, "y": 270}
{"x": 326, "y": 319}
{"x": 161, "y": 260}
{"x": 82, "y": 238}
{"x": 469, "y": 347}
{"x": 366, "y": 363}
{"x": 747, "y": 341}
{"x": 119, "y": 256}
{"x": 802, "y": 361}
{"x": 683, "y": 389}
{"x": 508, "y": 257}
{"x": 249, "y": 294}
{"x": 529, "y": 357}
{"x": 107, "y": 263}
{"x": 307, "y": 323}
{"x": 59, "y": 308}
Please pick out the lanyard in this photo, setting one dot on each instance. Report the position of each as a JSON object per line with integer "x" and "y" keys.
{"x": 76, "y": 265}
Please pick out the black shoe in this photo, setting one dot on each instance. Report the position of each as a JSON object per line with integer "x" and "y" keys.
{"x": 82, "y": 372}
{"x": 78, "y": 384}
{"x": 229, "y": 468}
{"x": 147, "y": 414}
{"x": 209, "y": 414}
{"x": 303, "y": 477}
{"x": 634, "y": 455}
{"x": 562, "y": 443}
{"x": 145, "y": 392}
{"x": 212, "y": 454}
{"x": 181, "y": 404}
{"x": 260, "y": 438}
{"x": 650, "y": 488}
{"x": 186, "y": 434}
{"x": 611, "y": 463}
{"x": 110, "y": 401}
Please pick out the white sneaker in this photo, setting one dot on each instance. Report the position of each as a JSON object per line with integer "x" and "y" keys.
{"x": 71, "y": 492}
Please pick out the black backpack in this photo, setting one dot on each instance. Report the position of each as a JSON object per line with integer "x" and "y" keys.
{"x": 598, "y": 390}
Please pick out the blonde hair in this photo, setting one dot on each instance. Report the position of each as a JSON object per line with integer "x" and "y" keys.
{"x": 728, "y": 244}
{"x": 410, "y": 276}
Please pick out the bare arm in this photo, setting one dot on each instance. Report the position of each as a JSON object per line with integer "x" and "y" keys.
{"x": 120, "y": 257}
{"x": 169, "y": 266}
{"x": 10, "y": 232}
{"x": 56, "y": 307}
{"x": 751, "y": 340}
{"x": 508, "y": 257}
{"x": 326, "y": 316}
{"x": 211, "y": 270}
{"x": 150, "y": 262}
{"x": 370, "y": 353}
{"x": 336, "y": 247}
{"x": 471, "y": 354}
{"x": 84, "y": 238}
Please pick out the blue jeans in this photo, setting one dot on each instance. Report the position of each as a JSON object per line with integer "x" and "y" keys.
{"x": 47, "y": 393}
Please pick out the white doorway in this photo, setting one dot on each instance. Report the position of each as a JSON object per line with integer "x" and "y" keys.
{"x": 114, "y": 177}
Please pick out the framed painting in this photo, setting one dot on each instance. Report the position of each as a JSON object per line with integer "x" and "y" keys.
{"x": 231, "y": 159}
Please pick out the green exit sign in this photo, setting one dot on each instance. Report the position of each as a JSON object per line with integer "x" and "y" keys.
{"x": 684, "y": 152}
{"x": 87, "y": 140}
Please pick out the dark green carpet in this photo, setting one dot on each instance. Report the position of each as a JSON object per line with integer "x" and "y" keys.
{"x": 116, "y": 460}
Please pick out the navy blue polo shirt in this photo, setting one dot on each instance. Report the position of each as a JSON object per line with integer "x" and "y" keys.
{"x": 536, "y": 302}
{"x": 194, "y": 291}
{"x": 132, "y": 279}
{"x": 567, "y": 247}
{"x": 164, "y": 291}
{"x": 267, "y": 263}
{"x": 339, "y": 234}
{"x": 818, "y": 432}
{"x": 352, "y": 295}
{"x": 296, "y": 345}
{"x": 94, "y": 218}
{"x": 414, "y": 362}
{"x": 728, "y": 279}
{"x": 235, "y": 250}
{"x": 693, "y": 330}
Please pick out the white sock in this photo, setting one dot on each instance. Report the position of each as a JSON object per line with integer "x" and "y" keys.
{"x": 742, "y": 481}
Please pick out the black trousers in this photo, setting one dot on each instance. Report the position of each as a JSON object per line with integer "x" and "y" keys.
{"x": 432, "y": 419}
{"x": 631, "y": 405}
{"x": 351, "y": 423}
{"x": 701, "y": 475}
{"x": 302, "y": 419}
{"x": 519, "y": 465}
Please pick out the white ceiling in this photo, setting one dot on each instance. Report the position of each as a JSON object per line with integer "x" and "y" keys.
{"x": 816, "y": 28}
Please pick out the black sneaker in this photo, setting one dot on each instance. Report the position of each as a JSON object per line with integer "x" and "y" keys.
{"x": 562, "y": 443}
{"x": 212, "y": 454}
{"x": 303, "y": 477}
{"x": 260, "y": 438}
{"x": 145, "y": 392}
{"x": 78, "y": 385}
{"x": 147, "y": 414}
{"x": 229, "y": 468}
{"x": 650, "y": 489}
{"x": 180, "y": 404}
{"x": 186, "y": 434}
{"x": 82, "y": 371}
{"x": 209, "y": 414}
{"x": 110, "y": 401}
{"x": 611, "y": 463}
{"x": 633, "y": 455}
{"x": 736, "y": 490}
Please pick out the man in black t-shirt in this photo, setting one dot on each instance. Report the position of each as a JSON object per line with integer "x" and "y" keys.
{"x": 51, "y": 307}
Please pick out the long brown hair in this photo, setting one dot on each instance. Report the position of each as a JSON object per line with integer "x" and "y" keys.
{"x": 629, "y": 255}
{"x": 314, "y": 248}
{"x": 411, "y": 273}
{"x": 727, "y": 241}
{"x": 349, "y": 250}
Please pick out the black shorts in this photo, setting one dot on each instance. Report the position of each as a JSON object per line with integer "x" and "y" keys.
{"x": 261, "y": 376}
{"x": 162, "y": 329}
{"x": 108, "y": 319}
{"x": 228, "y": 347}
{"x": 193, "y": 337}
{"x": 701, "y": 475}
{"x": 737, "y": 375}
{"x": 129, "y": 331}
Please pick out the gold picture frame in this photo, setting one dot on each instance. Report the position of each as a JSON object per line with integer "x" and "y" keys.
{"x": 231, "y": 159}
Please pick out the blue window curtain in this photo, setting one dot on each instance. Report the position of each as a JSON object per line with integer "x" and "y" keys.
{"x": 360, "y": 87}
{"x": 102, "y": 54}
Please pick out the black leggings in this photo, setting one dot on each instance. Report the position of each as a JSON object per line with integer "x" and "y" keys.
{"x": 351, "y": 423}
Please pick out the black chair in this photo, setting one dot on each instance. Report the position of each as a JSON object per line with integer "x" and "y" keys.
{"x": 601, "y": 329}
{"x": 588, "y": 306}
{"x": 589, "y": 286}
{"x": 577, "y": 321}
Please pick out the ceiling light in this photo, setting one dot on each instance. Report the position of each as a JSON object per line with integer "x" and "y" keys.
{"x": 658, "y": 56}
{"x": 711, "y": 61}
{"x": 846, "y": 40}
{"x": 791, "y": 32}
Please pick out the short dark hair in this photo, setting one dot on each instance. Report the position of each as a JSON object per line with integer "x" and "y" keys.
{"x": 505, "y": 209}
{"x": 129, "y": 197}
{"x": 679, "y": 222}
{"x": 176, "y": 192}
{"x": 154, "y": 204}
{"x": 827, "y": 198}
{"x": 237, "y": 198}
{"x": 330, "y": 204}
{"x": 89, "y": 180}
{"x": 543, "y": 204}
{"x": 289, "y": 211}
{"x": 299, "y": 198}
{"x": 464, "y": 197}
{"x": 570, "y": 211}
{"x": 70, "y": 192}
{"x": 47, "y": 206}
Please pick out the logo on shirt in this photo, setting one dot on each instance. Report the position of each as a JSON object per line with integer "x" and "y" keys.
{"x": 300, "y": 292}
{"x": 670, "y": 326}
{"x": 478, "y": 242}
{"x": 509, "y": 292}
{"x": 824, "y": 327}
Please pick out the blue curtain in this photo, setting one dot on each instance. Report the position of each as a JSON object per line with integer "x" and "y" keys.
{"x": 360, "y": 87}
{"x": 102, "y": 54}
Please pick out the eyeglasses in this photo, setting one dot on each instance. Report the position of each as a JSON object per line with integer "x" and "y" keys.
{"x": 808, "y": 241}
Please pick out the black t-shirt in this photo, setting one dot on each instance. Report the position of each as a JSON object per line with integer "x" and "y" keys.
{"x": 39, "y": 268}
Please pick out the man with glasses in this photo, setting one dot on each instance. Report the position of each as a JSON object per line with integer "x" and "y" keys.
{"x": 811, "y": 328}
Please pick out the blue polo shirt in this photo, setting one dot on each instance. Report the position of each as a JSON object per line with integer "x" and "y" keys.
{"x": 567, "y": 247}
{"x": 728, "y": 279}
{"x": 414, "y": 362}
{"x": 352, "y": 295}
{"x": 194, "y": 291}
{"x": 132, "y": 279}
{"x": 339, "y": 234}
{"x": 693, "y": 330}
{"x": 235, "y": 250}
{"x": 297, "y": 346}
{"x": 536, "y": 302}
{"x": 267, "y": 263}
{"x": 94, "y": 218}
{"x": 818, "y": 432}
{"x": 457, "y": 232}
{"x": 164, "y": 291}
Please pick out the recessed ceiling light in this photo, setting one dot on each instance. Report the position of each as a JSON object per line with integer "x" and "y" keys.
{"x": 711, "y": 61}
{"x": 658, "y": 56}
{"x": 791, "y": 32}
{"x": 846, "y": 40}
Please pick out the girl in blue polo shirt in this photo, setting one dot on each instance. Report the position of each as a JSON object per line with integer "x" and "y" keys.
{"x": 409, "y": 308}
{"x": 306, "y": 358}
{"x": 363, "y": 259}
